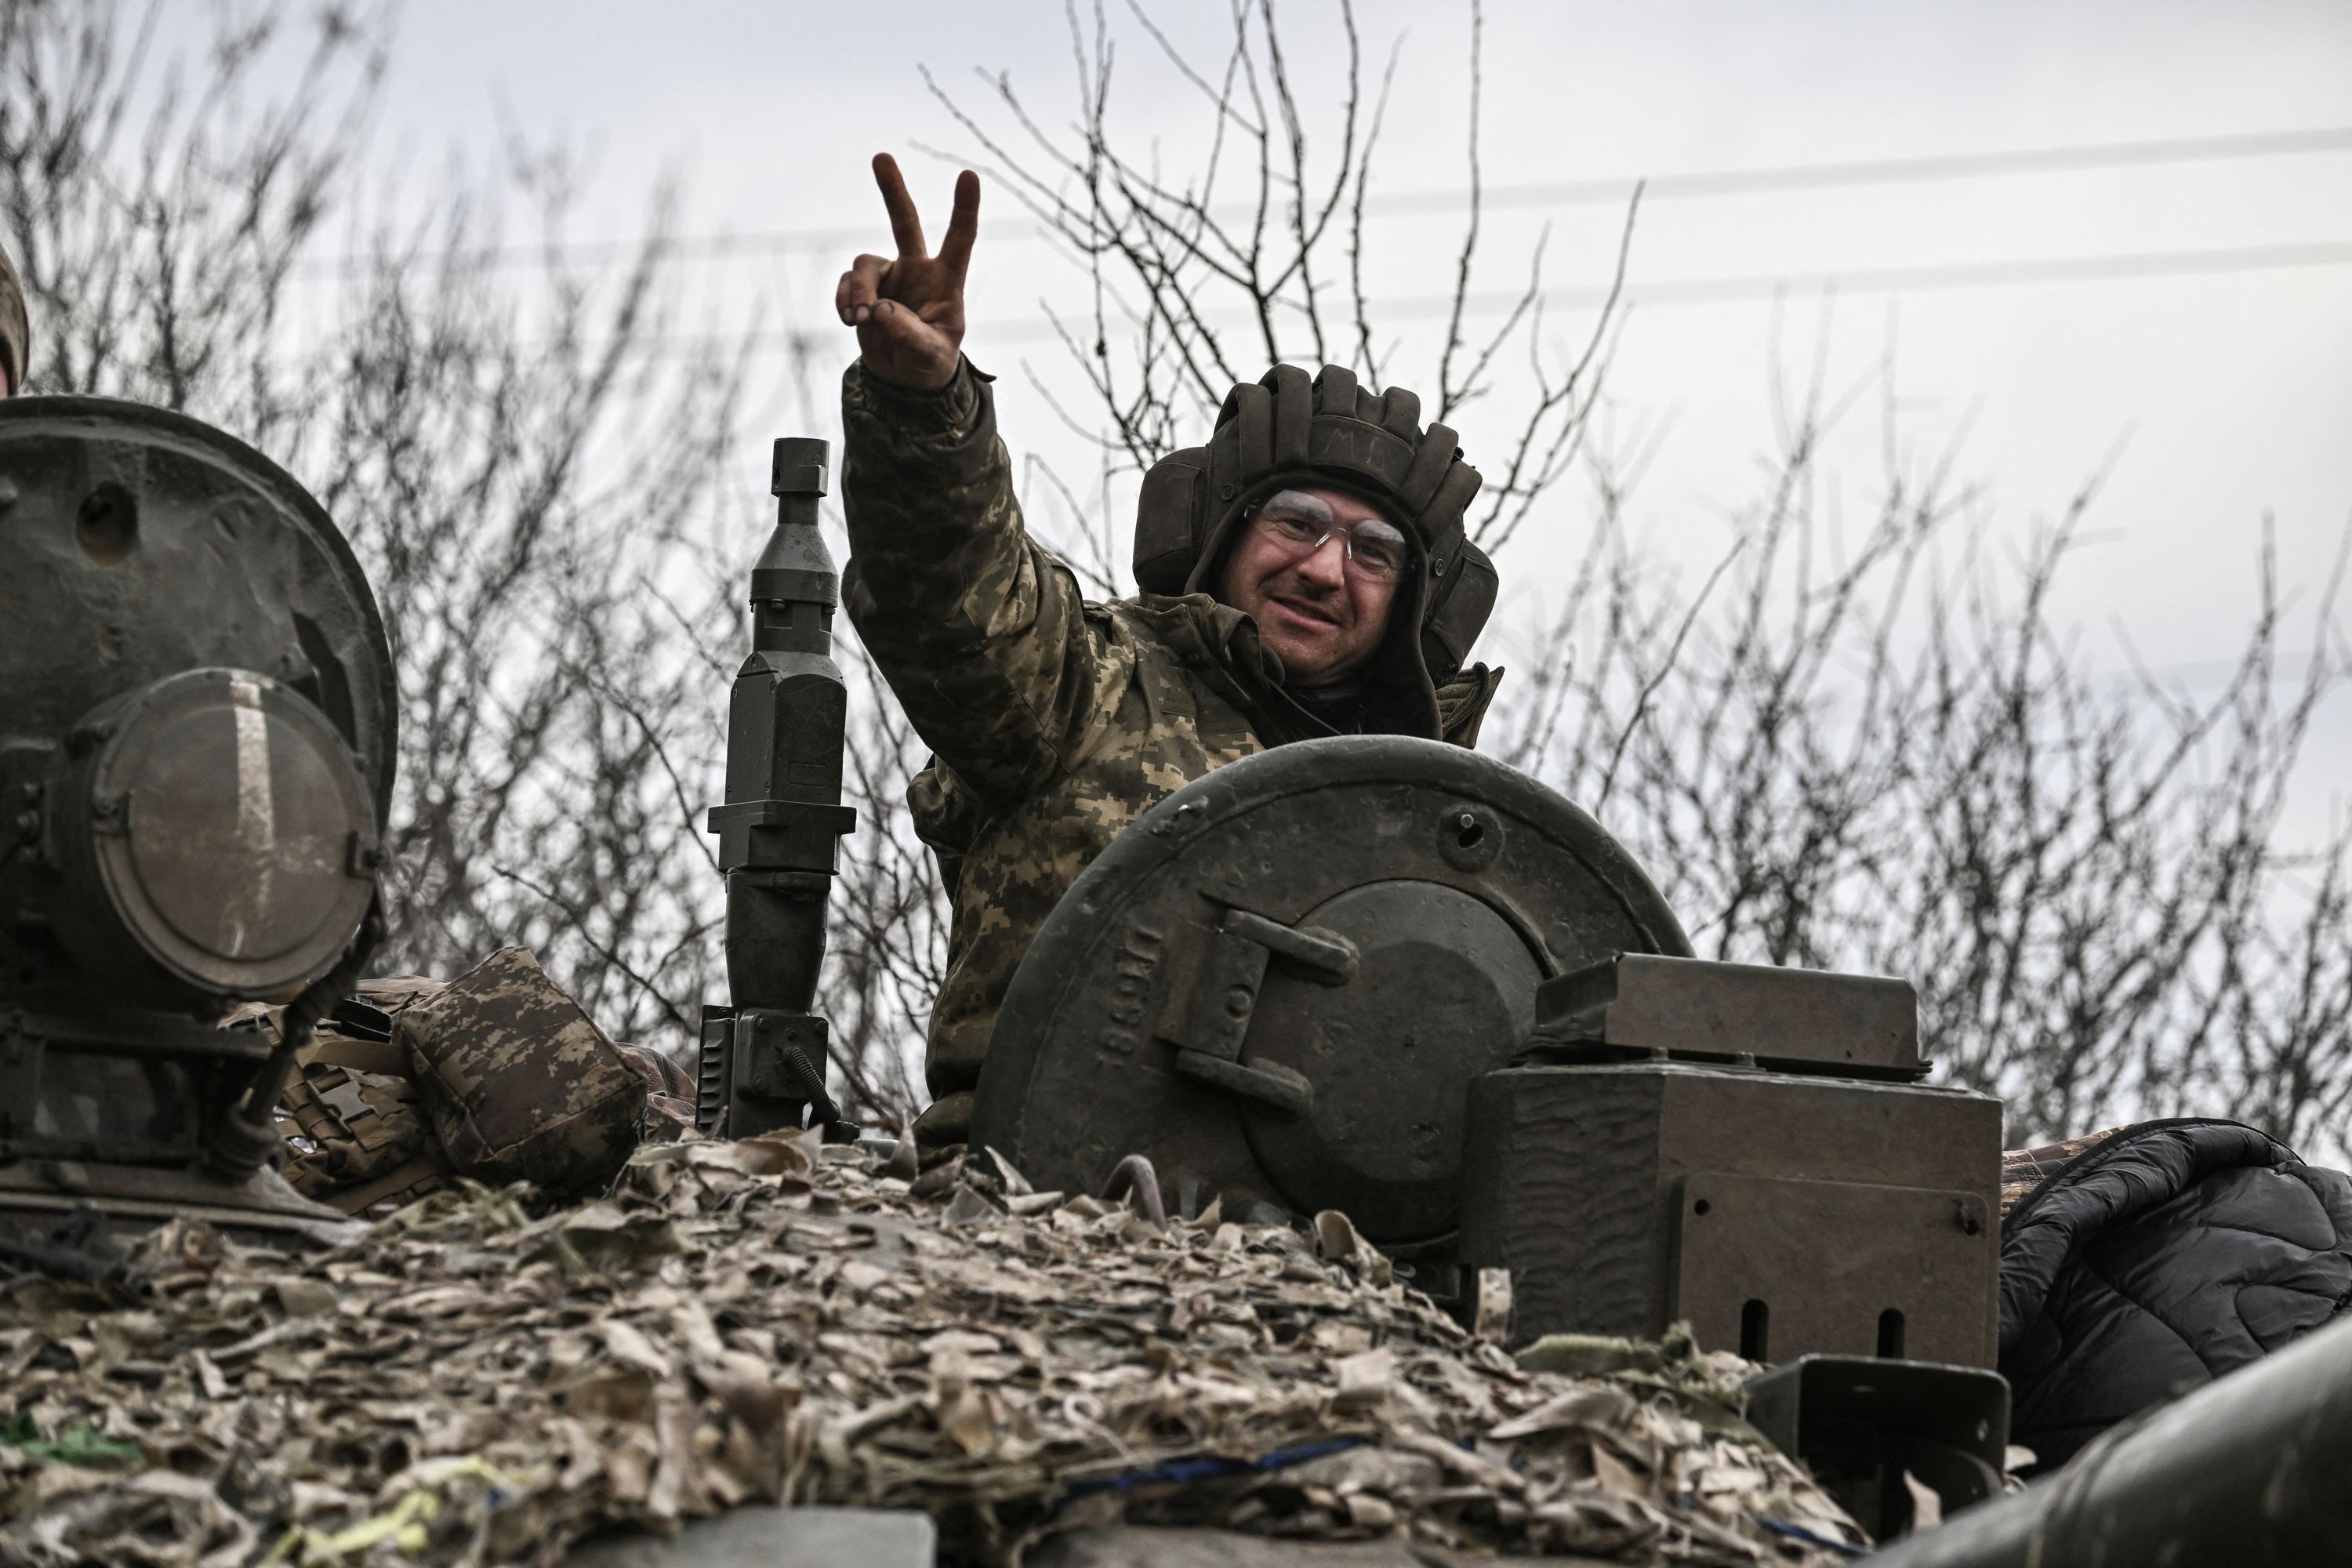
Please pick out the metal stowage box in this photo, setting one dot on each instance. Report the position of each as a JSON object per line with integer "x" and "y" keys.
{"x": 1780, "y": 1210}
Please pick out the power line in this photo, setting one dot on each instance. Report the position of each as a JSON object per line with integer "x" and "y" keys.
{"x": 1751, "y": 286}
{"x": 1919, "y": 279}
{"x": 1904, "y": 171}
{"x": 1690, "y": 185}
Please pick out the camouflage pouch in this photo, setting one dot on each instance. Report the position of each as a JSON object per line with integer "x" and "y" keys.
{"x": 519, "y": 1083}
{"x": 355, "y": 1131}
{"x": 373, "y": 1143}
{"x": 364, "y": 1123}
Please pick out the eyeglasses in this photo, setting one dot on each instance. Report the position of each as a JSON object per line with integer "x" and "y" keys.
{"x": 1303, "y": 523}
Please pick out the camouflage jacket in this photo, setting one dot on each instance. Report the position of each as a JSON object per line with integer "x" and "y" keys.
{"x": 1054, "y": 721}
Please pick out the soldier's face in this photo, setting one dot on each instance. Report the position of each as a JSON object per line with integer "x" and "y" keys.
{"x": 1320, "y": 608}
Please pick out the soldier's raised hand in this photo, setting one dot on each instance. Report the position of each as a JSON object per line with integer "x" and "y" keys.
{"x": 908, "y": 312}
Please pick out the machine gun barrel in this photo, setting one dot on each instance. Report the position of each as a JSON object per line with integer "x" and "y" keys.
{"x": 763, "y": 1055}
{"x": 2249, "y": 1470}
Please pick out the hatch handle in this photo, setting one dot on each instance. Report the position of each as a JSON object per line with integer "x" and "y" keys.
{"x": 1329, "y": 958}
{"x": 1280, "y": 1090}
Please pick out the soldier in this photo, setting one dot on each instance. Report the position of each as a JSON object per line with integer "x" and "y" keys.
{"x": 16, "y": 330}
{"x": 1305, "y": 573}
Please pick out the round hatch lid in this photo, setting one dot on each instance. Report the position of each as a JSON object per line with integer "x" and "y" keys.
{"x": 218, "y": 829}
{"x": 1279, "y": 983}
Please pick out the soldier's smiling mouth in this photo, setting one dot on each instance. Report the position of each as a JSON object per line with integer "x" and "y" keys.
{"x": 1300, "y": 611}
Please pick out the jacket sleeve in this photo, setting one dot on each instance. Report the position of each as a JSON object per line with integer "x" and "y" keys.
{"x": 980, "y": 631}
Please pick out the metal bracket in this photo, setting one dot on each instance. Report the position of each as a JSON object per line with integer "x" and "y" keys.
{"x": 781, "y": 835}
{"x": 1278, "y": 1088}
{"x": 761, "y": 1070}
{"x": 1860, "y": 1422}
{"x": 1913, "y": 1264}
{"x": 1209, "y": 1017}
{"x": 1329, "y": 958}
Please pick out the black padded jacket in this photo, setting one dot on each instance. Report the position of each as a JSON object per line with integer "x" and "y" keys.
{"x": 2168, "y": 1254}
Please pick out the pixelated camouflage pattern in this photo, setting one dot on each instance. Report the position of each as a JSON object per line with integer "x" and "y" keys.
{"x": 356, "y": 1129}
{"x": 2022, "y": 1170}
{"x": 1054, "y": 721}
{"x": 396, "y": 992}
{"x": 519, "y": 1083}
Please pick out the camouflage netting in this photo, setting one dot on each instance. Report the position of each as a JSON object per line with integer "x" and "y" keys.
{"x": 756, "y": 1321}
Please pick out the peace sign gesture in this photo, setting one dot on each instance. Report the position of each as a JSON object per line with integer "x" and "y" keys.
{"x": 908, "y": 312}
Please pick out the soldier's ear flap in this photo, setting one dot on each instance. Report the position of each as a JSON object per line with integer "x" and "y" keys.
{"x": 1439, "y": 451}
{"x": 1454, "y": 493}
{"x": 1461, "y": 601}
{"x": 1170, "y": 513}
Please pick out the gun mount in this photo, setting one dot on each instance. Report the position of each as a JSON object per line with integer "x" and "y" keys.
{"x": 763, "y": 1053}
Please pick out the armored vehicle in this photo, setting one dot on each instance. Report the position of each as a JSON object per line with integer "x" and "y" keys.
{"x": 1386, "y": 977}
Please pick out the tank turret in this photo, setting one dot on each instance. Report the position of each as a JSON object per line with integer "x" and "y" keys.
{"x": 197, "y": 751}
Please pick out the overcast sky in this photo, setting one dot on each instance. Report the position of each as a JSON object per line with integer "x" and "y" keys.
{"x": 2229, "y": 385}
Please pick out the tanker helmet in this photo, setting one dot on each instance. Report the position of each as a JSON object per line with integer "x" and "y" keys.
{"x": 1285, "y": 429}
{"x": 16, "y": 328}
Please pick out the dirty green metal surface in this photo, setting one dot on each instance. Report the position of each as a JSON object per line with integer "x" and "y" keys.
{"x": 1279, "y": 982}
{"x": 2252, "y": 1470}
{"x": 138, "y": 543}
